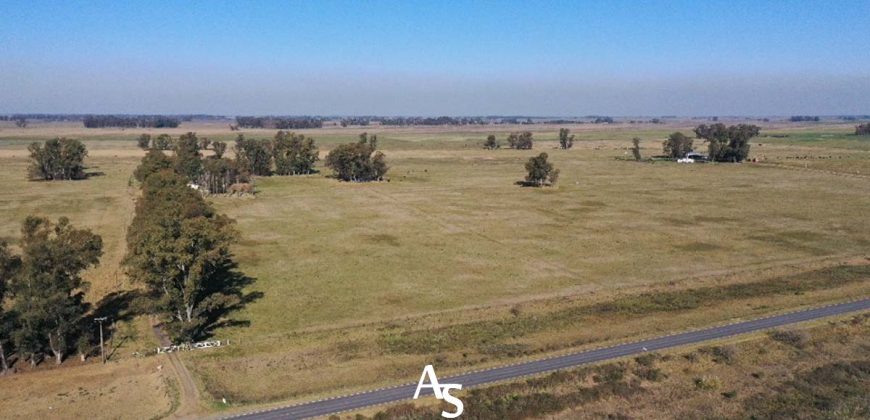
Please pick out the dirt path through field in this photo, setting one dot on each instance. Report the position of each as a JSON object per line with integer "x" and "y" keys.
{"x": 189, "y": 399}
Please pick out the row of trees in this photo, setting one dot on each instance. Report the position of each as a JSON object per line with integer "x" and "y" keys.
{"x": 524, "y": 141}
{"x": 123, "y": 121}
{"x": 288, "y": 153}
{"x": 724, "y": 143}
{"x": 42, "y": 305}
{"x": 280, "y": 123}
{"x": 57, "y": 159}
{"x": 178, "y": 247}
{"x": 358, "y": 162}
{"x": 800, "y": 118}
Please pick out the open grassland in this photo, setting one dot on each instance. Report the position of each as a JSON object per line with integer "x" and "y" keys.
{"x": 133, "y": 389}
{"x": 450, "y": 262}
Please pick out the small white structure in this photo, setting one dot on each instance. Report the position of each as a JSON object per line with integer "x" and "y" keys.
{"x": 685, "y": 160}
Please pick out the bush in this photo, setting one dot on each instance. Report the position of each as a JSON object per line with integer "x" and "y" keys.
{"x": 708, "y": 383}
{"x": 863, "y": 129}
{"x": 797, "y": 339}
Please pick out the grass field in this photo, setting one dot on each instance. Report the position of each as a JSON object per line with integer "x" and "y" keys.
{"x": 450, "y": 262}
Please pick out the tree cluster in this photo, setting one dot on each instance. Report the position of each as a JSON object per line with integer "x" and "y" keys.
{"x": 565, "y": 141}
{"x": 280, "y": 123}
{"x": 520, "y": 140}
{"x": 213, "y": 174}
{"x": 677, "y": 145}
{"x": 800, "y": 118}
{"x": 45, "y": 291}
{"x": 122, "y": 121}
{"x": 57, "y": 159}
{"x": 294, "y": 154}
{"x": 862, "y": 129}
{"x": 491, "y": 143}
{"x": 727, "y": 144}
{"x": 358, "y": 162}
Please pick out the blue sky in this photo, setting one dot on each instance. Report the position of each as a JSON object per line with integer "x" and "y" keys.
{"x": 436, "y": 57}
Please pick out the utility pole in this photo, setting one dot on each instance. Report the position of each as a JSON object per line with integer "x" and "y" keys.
{"x": 102, "y": 349}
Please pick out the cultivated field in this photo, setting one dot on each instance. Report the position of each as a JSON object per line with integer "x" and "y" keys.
{"x": 451, "y": 263}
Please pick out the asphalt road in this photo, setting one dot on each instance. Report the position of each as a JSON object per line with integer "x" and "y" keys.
{"x": 406, "y": 392}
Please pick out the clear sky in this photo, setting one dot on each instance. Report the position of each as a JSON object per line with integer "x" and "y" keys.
{"x": 436, "y": 57}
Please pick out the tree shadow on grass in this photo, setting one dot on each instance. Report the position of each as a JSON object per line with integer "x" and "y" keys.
{"x": 222, "y": 295}
{"x": 113, "y": 308}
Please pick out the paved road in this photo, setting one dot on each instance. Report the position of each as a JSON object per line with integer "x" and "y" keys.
{"x": 406, "y": 392}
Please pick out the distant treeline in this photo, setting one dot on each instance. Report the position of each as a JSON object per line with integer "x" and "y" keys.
{"x": 799, "y": 118}
{"x": 128, "y": 121}
{"x": 280, "y": 123}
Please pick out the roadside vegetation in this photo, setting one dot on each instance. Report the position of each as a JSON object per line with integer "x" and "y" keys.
{"x": 754, "y": 377}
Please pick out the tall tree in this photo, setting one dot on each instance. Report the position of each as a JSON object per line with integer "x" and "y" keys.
{"x": 540, "y": 171}
{"x": 154, "y": 161}
{"x": 294, "y": 154}
{"x": 635, "y": 148}
{"x": 677, "y": 145}
{"x": 188, "y": 160}
{"x": 9, "y": 266}
{"x": 163, "y": 142}
{"x": 49, "y": 292}
{"x": 565, "y": 141}
{"x": 254, "y": 156}
{"x": 491, "y": 143}
{"x": 144, "y": 141}
{"x": 727, "y": 144}
{"x": 179, "y": 249}
{"x": 219, "y": 148}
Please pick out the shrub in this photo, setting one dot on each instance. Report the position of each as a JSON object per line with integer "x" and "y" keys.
{"x": 708, "y": 383}
{"x": 863, "y": 129}
{"x": 797, "y": 339}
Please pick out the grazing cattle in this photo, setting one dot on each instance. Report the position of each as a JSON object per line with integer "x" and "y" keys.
{"x": 240, "y": 189}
